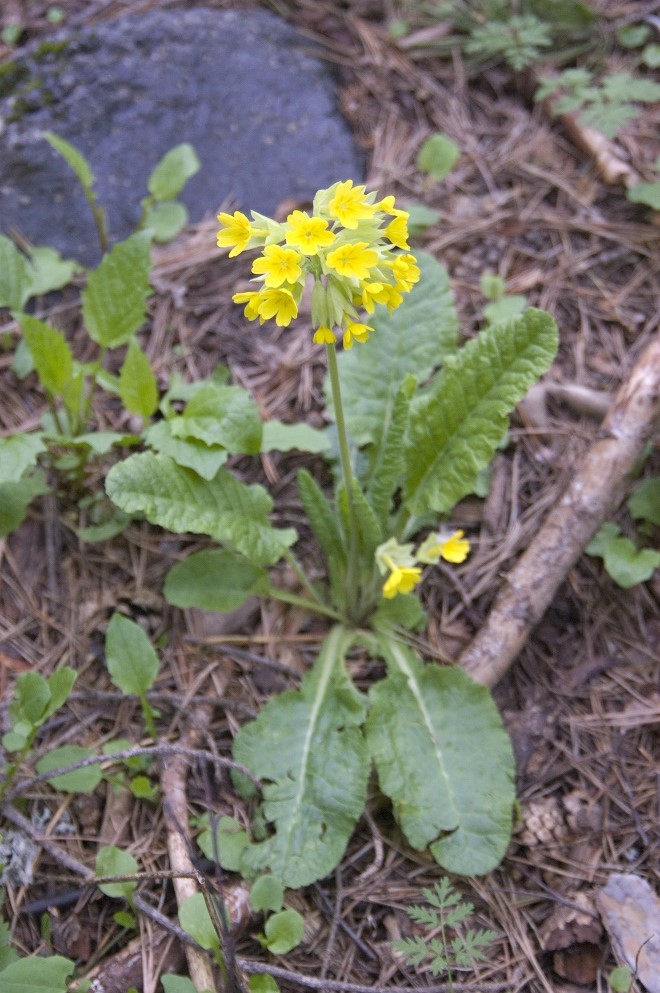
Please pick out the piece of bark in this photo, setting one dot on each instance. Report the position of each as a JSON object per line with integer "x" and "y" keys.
{"x": 631, "y": 913}
{"x": 594, "y": 494}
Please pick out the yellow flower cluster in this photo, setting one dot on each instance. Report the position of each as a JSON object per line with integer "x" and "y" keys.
{"x": 400, "y": 561}
{"x": 348, "y": 245}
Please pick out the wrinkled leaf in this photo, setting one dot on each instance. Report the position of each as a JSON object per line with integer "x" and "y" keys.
{"x": 267, "y": 893}
{"x": 456, "y": 429}
{"x": 230, "y": 841}
{"x": 413, "y": 340}
{"x": 178, "y": 499}
{"x": 49, "y": 271}
{"x": 52, "y": 357}
{"x": 279, "y": 437}
{"x": 221, "y": 415}
{"x": 307, "y": 748}
{"x": 444, "y": 759}
{"x": 16, "y": 497}
{"x": 204, "y": 459}
{"x": 644, "y": 503}
{"x": 137, "y": 384}
{"x": 115, "y": 299}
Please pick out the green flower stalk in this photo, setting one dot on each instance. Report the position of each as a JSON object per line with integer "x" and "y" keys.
{"x": 353, "y": 248}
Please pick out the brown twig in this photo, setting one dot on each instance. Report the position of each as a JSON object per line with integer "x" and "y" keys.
{"x": 595, "y": 493}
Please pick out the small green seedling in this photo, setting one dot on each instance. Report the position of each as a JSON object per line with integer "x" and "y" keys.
{"x": 502, "y": 307}
{"x": 112, "y": 861}
{"x": 132, "y": 663}
{"x": 35, "y": 700}
{"x": 625, "y": 562}
{"x": 437, "y": 156}
{"x": 605, "y": 105}
{"x": 456, "y": 947}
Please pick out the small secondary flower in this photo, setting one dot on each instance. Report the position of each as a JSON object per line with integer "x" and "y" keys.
{"x": 401, "y": 580}
{"x": 453, "y": 548}
{"x": 356, "y": 332}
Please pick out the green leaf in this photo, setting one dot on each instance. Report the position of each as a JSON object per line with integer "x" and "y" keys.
{"x": 165, "y": 220}
{"x": 137, "y": 384}
{"x": 626, "y": 565}
{"x": 214, "y": 580}
{"x": 506, "y": 309}
{"x": 35, "y": 974}
{"x": 132, "y": 661}
{"x": 177, "y": 984}
{"x": 31, "y": 698}
{"x": 60, "y": 683}
{"x": 492, "y": 286}
{"x": 284, "y": 931}
{"x": 196, "y": 920}
{"x": 324, "y": 524}
{"x": 73, "y": 158}
{"x": 621, "y": 979}
{"x": 173, "y": 172}
{"x": 49, "y": 271}
{"x": 14, "y": 276}
{"x": 53, "y": 359}
{"x": 400, "y": 612}
{"x": 279, "y": 437}
{"x": 438, "y": 156}
{"x": 388, "y": 463}
{"x": 231, "y": 840}
{"x": 456, "y": 429}
{"x": 115, "y": 300}
{"x": 646, "y": 193}
{"x": 307, "y": 747}
{"x": 19, "y": 452}
{"x": 204, "y": 459}
{"x": 644, "y": 503}
{"x": 444, "y": 759}
{"x": 651, "y": 56}
{"x": 632, "y": 35}
{"x": 413, "y": 340}
{"x": 178, "y": 499}
{"x": 261, "y": 983}
{"x": 221, "y": 415}
{"x": 267, "y": 893}
{"x": 101, "y": 442}
{"x": 421, "y": 217}
{"x": 79, "y": 780}
{"x": 16, "y": 497}
{"x": 112, "y": 861}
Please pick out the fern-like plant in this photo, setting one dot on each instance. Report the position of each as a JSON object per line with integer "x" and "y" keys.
{"x": 446, "y": 944}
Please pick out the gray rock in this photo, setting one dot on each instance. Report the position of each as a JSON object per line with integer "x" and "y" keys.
{"x": 241, "y": 87}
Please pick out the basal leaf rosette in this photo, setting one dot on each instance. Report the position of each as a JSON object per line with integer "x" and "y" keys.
{"x": 352, "y": 247}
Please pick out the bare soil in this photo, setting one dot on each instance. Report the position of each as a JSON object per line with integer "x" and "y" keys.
{"x": 582, "y": 700}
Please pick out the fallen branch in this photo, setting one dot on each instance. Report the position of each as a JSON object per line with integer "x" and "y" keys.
{"x": 594, "y": 494}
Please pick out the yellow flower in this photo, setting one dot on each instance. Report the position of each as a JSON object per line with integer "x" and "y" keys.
{"x": 353, "y": 259}
{"x": 391, "y": 297}
{"x": 359, "y": 332}
{"x": 277, "y": 303}
{"x": 397, "y": 231}
{"x": 280, "y": 265}
{"x": 406, "y": 272}
{"x": 349, "y": 205}
{"x": 306, "y": 233}
{"x": 249, "y": 297}
{"x": 237, "y": 232}
{"x": 452, "y": 548}
{"x": 403, "y": 579}
{"x": 323, "y": 336}
{"x": 372, "y": 293}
